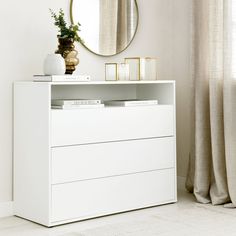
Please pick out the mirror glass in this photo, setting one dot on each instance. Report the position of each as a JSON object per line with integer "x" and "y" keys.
{"x": 107, "y": 26}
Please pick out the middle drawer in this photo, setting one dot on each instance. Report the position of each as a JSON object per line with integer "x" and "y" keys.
{"x": 89, "y": 161}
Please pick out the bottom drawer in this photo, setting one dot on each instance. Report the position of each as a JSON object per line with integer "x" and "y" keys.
{"x": 97, "y": 197}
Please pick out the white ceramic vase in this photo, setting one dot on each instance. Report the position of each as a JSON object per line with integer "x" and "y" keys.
{"x": 54, "y": 64}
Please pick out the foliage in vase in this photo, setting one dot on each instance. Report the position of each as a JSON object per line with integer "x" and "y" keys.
{"x": 70, "y": 32}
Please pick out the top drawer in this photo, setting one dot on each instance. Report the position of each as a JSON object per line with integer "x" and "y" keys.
{"x": 71, "y": 127}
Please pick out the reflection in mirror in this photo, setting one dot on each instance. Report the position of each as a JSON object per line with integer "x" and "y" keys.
{"x": 107, "y": 26}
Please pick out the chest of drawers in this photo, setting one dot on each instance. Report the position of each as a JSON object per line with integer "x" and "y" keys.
{"x": 72, "y": 165}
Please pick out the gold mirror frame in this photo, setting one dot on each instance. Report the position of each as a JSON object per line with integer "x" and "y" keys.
{"x": 72, "y": 21}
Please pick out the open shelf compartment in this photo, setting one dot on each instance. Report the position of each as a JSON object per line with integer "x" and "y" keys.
{"x": 162, "y": 91}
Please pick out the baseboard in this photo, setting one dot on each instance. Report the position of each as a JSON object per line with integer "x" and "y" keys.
{"x": 6, "y": 209}
{"x": 181, "y": 183}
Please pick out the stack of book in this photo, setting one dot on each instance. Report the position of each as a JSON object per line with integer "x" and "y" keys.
{"x": 62, "y": 78}
{"x": 131, "y": 102}
{"x": 76, "y": 103}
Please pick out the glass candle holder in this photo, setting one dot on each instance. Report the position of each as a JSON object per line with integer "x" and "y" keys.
{"x": 123, "y": 71}
{"x": 134, "y": 67}
{"x": 111, "y": 72}
{"x": 142, "y": 68}
{"x": 149, "y": 69}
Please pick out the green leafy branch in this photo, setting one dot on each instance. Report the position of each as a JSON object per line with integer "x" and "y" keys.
{"x": 63, "y": 29}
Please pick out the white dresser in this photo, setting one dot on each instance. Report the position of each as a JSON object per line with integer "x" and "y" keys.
{"x": 71, "y": 165}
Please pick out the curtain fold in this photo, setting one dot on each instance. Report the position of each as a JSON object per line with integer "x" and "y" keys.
{"x": 230, "y": 135}
{"x": 122, "y": 24}
{"x": 212, "y": 166}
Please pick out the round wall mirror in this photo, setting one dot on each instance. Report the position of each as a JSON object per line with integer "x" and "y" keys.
{"x": 107, "y": 26}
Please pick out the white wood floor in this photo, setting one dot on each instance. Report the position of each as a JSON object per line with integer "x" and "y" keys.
{"x": 183, "y": 218}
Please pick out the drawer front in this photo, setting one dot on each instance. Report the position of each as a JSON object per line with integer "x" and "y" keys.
{"x": 90, "y": 161}
{"x": 91, "y": 198}
{"x": 71, "y": 127}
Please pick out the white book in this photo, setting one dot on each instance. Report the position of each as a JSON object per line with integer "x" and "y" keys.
{"x": 62, "y": 78}
{"x": 72, "y": 107}
{"x": 75, "y": 102}
{"x": 131, "y": 102}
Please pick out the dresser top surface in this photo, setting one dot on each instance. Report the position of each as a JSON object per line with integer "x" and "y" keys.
{"x": 102, "y": 82}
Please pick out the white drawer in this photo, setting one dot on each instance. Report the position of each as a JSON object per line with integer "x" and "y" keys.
{"x": 108, "y": 159}
{"x": 91, "y": 198}
{"x": 71, "y": 127}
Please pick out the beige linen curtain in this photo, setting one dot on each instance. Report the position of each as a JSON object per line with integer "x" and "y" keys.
{"x": 212, "y": 166}
{"x": 108, "y": 26}
{"x": 117, "y": 20}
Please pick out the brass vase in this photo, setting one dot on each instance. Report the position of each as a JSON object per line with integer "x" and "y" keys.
{"x": 66, "y": 48}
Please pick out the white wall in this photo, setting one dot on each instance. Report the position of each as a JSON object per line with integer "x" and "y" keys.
{"x": 182, "y": 74}
{"x": 28, "y": 34}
